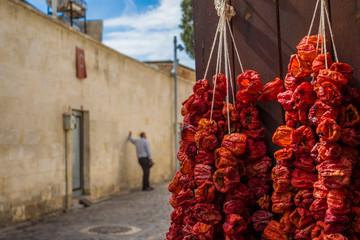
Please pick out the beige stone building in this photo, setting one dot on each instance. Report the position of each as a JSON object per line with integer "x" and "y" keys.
{"x": 42, "y": 165}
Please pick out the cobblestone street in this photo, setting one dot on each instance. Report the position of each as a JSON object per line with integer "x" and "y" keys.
{"x": 133, "y": 216}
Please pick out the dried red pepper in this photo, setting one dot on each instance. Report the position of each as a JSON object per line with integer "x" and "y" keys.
{"x": 304, "y": 162}
{"x": 298, "y": 67}
{"x": 224, "y": 158}
{"x": 258, "y": 186}
{"x": 175, "y": 232}
{"x": 260, "y": 219}
{"x": 233, "y": 113}
{"x": 350, "y": 96}
{"x": 249, "y": 118}
{"x": 284, "y": 157}
{"x": 249, "y": 82}
{"x": 335, "y": 173}
{"x": 351, "y": 136}
{"x": 304, "y": 233}
{"x": 264, "y": 202}
{"x": 319, "y": 62}
{"x": 282, "y": 202}
{"x": 318, "y": 208}
{"x": 291, "y": 118}
{"x": 319, "y": 111}
{"x": 185, "y": 198}
{"x": 202, "y": 173}
{"x": 244, "y": 100}
{"x": 201, "y": 87}
{"x": 239, "y": 192}
{"x": 320, "y": 191}
{"x": 226, "y": 178}
{"x": 336, "y": 78}
{"x": 203, "y": 231}
{"x": 343, "y": 68}
{"x": 301, "y": 217}
{"x": 338, "y": 202}
{"x": 309, "y": 47}
{"x": 205, "y": 157}
{"x": 274, "y": 231}
{"x": 304, "y": 198}
{"x": 328, "y": 151}
{"x": 286, "y": 100}
{"x": 218, "y": 99}
{"x": 282, "y": 135}
{"x": 256, "y": 149}
{"x": 236, "y": 143}
{"x": 259, "y": 168}
{"x": 335, "y": 223}
{"x": 207, "y": 213}
{"x": 328, "y": 130}
{"x": 220, "y": 84}
{"x": 351, "y": 116}
{"x": 291, "y": 83}
{"x": 301, "y": 179}
{"x": 302, "y": 139}
{"x": 329, "y": 94}
{"x": 234, "y": 224}
{"x": 257, "y": 134}
{"x": 205, "y": 140}
{"x": 286, "y": 223}
{"x": 205, "y": 192}
{"x": 281, "y": 178}
{"x": 303, "y": 96}
{"x": 270, "y": 91}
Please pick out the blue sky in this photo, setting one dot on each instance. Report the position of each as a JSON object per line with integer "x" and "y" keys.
{"x": 142, "y": 29}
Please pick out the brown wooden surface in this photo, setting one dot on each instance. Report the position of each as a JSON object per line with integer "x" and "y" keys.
{"x": 346, "y": 27}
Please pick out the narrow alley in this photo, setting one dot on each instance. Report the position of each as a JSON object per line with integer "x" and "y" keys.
{"x": 133, "y": 216}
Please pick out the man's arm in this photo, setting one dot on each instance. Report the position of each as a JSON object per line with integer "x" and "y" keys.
{"x": 131, "y": 138}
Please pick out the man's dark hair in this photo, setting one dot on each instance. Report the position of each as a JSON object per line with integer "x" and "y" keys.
{"x": 142, "y": 134}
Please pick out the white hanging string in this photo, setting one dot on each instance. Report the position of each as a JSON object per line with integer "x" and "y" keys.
{"x": 225, "y": 13}
{"x": 323, "y": 31}
{"x": 312, "y": 21}
{"x": 212, "y": 49}
{"x": 226, "y": 55}
{"x": 218, "y": 66}
{"x": 231, "y": 81}
{"x": 331, "y": 34}
{"x": 318, "y": 40}
{"x": 236, "y": 50}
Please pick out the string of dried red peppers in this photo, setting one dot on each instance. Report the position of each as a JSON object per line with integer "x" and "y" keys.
{"x": 315, "y": 181}
{"x": 221, "y": 189}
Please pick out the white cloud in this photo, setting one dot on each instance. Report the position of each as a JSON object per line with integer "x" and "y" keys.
{"x": 130, "y": 7}
{"x": 147, "y": 36}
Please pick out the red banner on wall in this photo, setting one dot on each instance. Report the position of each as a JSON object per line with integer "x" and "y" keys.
{"x": 80, "y": 63}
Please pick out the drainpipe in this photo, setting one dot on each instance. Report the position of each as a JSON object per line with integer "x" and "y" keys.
{"x": 176, "y": 47}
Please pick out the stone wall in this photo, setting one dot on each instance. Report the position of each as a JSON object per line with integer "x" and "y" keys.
{"x": 38, "y": 84}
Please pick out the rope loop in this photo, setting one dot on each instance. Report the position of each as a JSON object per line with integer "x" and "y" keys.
{"x": 224, "y": 8}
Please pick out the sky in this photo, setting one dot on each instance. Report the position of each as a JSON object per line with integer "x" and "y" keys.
{"x": 142, "y": 29}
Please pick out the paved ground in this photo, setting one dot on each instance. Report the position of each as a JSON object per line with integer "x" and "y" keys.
{"x": 146, "y": 214}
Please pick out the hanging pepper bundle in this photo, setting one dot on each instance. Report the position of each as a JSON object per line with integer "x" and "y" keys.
{"x": 315, "y": 179}
{"x": 222, "y": 188}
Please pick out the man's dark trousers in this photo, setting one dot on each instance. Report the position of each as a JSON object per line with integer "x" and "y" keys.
{"x": 144, "y": 162}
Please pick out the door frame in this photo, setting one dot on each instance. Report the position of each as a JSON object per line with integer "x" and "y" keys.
{"x": 79, "y": 114}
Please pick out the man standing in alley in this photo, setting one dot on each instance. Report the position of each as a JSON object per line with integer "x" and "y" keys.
{"x": 145, "y": 159}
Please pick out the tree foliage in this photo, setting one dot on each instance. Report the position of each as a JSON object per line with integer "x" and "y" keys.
{"x": 187, "y": 24}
